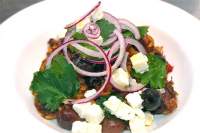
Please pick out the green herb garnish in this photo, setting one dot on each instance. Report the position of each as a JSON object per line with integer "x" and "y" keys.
{"x": 106, "y": 28}
{"x": 156, "y": 75}
{"x": 55, "y": 84}
{"x": 142, "y": 29}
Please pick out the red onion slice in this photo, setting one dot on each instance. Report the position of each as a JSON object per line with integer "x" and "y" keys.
{"x": 115, "y": 65}
{"x": 83, "y": 17}
{"x": 91, "y": 30}
{"x": 110, "y": 41}
{"x": 112, "y": 20}
{"x": 137, "y": 44}
{"x": 124, "y": 62}
{"x": 125, "y": 24}
{"x": 108, "y": 69}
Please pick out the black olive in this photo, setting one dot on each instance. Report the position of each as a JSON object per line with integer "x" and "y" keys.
{"x": 85, "y": 65}
{"x": 94, "y": 82}
{"x": 152, "y": 99}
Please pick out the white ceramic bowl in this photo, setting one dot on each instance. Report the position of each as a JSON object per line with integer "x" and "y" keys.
{"x": 30, "y": 30}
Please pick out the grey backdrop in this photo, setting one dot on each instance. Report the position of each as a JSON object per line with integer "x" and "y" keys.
{"x": 9, "y": 7}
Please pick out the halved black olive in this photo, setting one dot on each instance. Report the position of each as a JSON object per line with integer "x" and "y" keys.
{"x": 152, "y": 99}
{"x": 94, "y": 82}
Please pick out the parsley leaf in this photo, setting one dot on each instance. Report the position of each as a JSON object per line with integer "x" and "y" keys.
{"x": 106, "y": 28}
{"x": 79, "y": 36}
{"x": 142, "y": 29}
{"x": 55, "y": 84}
{"x": 156, "y": 75}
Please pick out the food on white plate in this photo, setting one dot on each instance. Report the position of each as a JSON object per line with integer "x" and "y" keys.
{"x": 104, "y": 75}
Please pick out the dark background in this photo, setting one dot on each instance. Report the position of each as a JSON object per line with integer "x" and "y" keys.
{"x": 9, "y": 7}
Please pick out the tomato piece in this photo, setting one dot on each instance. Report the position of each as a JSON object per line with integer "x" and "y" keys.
{"x": 169, "y": 68}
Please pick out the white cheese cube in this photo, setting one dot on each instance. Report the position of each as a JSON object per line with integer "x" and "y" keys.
{"x": 137, "y": 125}
{"x": 94, "y": 114}
{"x": 148, "y": 119}
{"x": 80, "y": 109}
{"x": 120, "y": 77}
{"x": 91, "y": 112}
{"x": 84, "y": 127}
{"x": 81, "y": 24}
{"x": 79, "y": 127}
{"x": 89, "y": 93}
{"x": 97, "y": 15}
{"x": 94, "y": 128}
{"x": 112, "y": 104}
{"x": 140, "y": 62}
{"x": 125, "y": 112}
{"x": 135, "y": 100}
{"x": 98, "y": 41}
{"x": 122, "y": 110}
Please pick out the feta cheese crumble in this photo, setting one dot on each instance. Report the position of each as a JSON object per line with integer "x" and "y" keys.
{"x": 90, "y": 112}
{"x": 137, "y": 125}
{"x": 89, "y": 93}
{"x": 119, "y": 109}
{"x": 135, "y": 100}
{"x": 139, "y": 62}
{"x": 85, "y": 127}
{"x": 149, "y": 119}
{"x": 121, "y": 77}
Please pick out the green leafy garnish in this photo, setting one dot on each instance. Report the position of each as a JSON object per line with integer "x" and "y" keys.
{"x": 156, "y": 75}
{"x": 106, "y": 28}
{"x": 102, "y": 99}
{"x": 79, "y": 36}
{"x": 55, "y": 84}
{"x": 142, "y": 29}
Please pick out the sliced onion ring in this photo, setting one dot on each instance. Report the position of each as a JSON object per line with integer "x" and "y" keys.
{"x": 83, "y": 17}
{"x": 137, "y": 44}
{"x": 91, "y": 30}
{"x": 110, "y": 41}
{"x": 108, "y": 69}
{"x": 112, "y": 20}
{"x": 125, "y": 24}
{"x": 115, "y": 65}
{"x": 124, "y": 62}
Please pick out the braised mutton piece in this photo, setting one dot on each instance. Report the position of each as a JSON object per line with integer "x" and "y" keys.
{"x": 66, "y": 116}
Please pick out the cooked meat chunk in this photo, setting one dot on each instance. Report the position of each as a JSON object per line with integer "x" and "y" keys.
{"x": 113, "y": 126}
{"x": 170, "y": 98}
{"x": 150, "y": 47}
{"x": 66, "y": 116}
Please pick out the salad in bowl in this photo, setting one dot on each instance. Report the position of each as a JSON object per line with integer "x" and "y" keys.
{"x": 103, "y": 74}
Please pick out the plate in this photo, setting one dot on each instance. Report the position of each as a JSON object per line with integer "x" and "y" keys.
{"x": 24, "y": 36}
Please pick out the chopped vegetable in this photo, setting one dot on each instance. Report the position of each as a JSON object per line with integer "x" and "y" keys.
{"x": 142, "y": 29}
{"x": 156, "y": 75}
{"x": 55, "y": 84}
{"x": 106, "y": 28}
{"x": 79, "y": 36}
